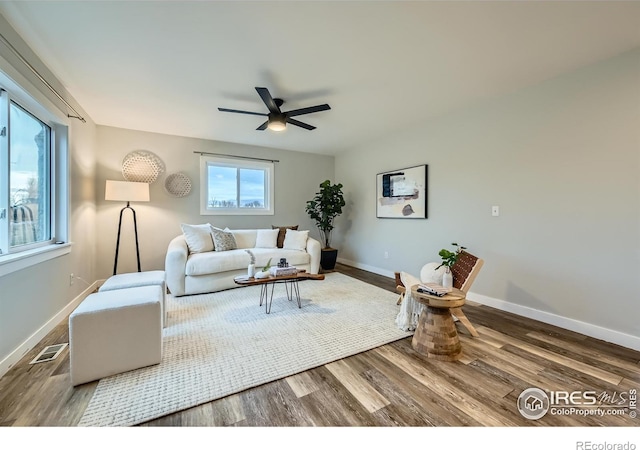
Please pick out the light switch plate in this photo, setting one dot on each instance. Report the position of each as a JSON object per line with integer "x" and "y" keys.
{"x": 495, "y": 211}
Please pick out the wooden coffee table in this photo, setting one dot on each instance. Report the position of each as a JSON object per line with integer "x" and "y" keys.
{"x": 436, "y": 335}
{"x": 290, "y": 283}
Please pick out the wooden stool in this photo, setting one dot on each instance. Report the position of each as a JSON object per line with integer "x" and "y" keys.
{"x": 436, "y": 335}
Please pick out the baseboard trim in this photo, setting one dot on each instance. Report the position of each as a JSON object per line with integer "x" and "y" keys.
{"x": 33, "y": 340}
{"x": 377, "y": 270}
{"x": 588, "y": 329}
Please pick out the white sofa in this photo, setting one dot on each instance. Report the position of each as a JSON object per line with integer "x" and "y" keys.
{"x": 210, "y": 271}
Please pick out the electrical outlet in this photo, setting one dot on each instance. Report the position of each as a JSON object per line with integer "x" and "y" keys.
{"x": 386, "y": 255}
{"x": 71, "y": 279}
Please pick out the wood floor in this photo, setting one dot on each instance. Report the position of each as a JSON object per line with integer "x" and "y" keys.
{"x": 389, "y": 386}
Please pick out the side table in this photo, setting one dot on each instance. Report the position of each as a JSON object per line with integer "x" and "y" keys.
{"x": 436, "y": 335}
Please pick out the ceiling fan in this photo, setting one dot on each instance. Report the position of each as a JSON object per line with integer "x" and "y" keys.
{"x": 276, "y": 119}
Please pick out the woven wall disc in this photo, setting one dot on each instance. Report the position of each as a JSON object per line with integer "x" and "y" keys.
{"x": 177, "y": 184}
{"x": 142, "y": 166}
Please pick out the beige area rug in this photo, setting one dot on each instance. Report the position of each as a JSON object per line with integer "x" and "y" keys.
{"x": 223, "y": 343}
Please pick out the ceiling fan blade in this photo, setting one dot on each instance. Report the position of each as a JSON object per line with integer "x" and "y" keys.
{"x": 297, "y": 123}
{"x": 263, "y": 126}
{"x": 309, "y": 110}
{"x": 268, "y": 100}
{"x": 241, "y": 112}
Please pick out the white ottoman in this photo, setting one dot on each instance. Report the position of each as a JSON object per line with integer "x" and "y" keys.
{"x": 115, "y": 331}
{"x": 137, "y": 279}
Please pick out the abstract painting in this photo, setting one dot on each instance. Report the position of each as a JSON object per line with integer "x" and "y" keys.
{"x": 402, "y": 194}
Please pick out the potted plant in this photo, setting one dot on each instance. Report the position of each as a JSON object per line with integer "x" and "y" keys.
{"x": 449, "y": 258}
{"x": 323, "y": 209}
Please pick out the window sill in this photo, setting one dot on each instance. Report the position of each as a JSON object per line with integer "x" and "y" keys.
{"x": 19, "y": 261}
{"x": 237, "y": 212}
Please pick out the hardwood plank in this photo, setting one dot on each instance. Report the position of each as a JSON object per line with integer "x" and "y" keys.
{"x": 285, "y": 402}
{"x": 468, "y": 405}
{"x": 371, "y": 399}
{"x": 301, "y": 384}
{"x": 433, "y": 408}
{"x": 273, "y": 404}
{"x": 337, "y": 396}
{"x": 616, "y": 365}
{"x": 228, "y": 411}
{"x": 462, "y": 375}
{"x": 519, "y": 371}
{"x": 565, "y": 361}
{"x": 488, "y": 350}
{"x": 485, "y": 385}
{"x": 402, "y": 410}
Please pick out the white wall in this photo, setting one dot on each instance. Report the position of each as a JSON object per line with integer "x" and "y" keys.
{"x": 34, "y": 300}
{"x": 297, "y": 178}
{"x": 561, "y": 159}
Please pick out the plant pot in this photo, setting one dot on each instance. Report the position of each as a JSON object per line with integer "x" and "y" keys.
{"x": 251, "y": 270}
{"x": 328, "y": 258}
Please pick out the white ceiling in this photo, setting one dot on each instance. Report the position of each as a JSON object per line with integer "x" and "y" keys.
{"x": 166, "y": 66}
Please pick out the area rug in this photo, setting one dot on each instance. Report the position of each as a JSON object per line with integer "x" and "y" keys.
{"x": 223, "y": 343}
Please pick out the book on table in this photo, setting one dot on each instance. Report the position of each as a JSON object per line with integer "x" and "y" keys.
{"x": 282, "y": 271}
{"x": 433, "y": 289}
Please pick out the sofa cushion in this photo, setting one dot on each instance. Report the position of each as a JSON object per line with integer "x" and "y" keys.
{"x": 266, "y": 239}
{"x": 281, "y": 232}
{"x": 244, "y": 238}
{"x": 293, "y": 257}
{"x": 223, "y": 240}
{"x": 215, "y": 262}
{"x": 296, "y": 240}
{"x": 198, "y": 237}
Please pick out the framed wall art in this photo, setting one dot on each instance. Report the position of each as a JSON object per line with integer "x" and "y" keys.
{"x": 402, "y": 194}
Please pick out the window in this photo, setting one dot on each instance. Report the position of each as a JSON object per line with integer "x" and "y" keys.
{"x": 32, "y": 192}
{"x": 233, "y": 186}
{"x": 29, "y": 178}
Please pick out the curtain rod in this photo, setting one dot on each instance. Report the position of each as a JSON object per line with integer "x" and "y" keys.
{"x": 239, "y": 157}
{"x": 41, "y": 78}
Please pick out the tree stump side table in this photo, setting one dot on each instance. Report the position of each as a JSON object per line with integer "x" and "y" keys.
{"x": 436, "y": 335}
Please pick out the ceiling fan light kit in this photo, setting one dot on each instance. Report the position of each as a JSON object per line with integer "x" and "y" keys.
{"x": 277, "y": 120}
{"x": 277, "y": 123}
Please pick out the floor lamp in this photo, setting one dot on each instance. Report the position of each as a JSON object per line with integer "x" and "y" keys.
{"x": 127, "y": 191}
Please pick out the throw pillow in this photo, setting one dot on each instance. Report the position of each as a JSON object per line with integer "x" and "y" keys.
{"x": 223, "y": 240}
{"x": 429, "y": 274}
{"x": 267, "y": 239}
{"x": 281, "y": 233}
{"x": 296, "y": 240}
{"x": 244, "y": 238}
{"x": 198, "y": 237}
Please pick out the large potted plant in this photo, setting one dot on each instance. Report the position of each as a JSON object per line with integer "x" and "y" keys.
{"x": 323, "y": 209}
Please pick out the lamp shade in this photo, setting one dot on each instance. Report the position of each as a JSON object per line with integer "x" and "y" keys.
{"x": 126, "y": 191}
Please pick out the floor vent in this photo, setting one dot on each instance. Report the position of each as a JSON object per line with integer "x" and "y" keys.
{"x": 49, "y": 353}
